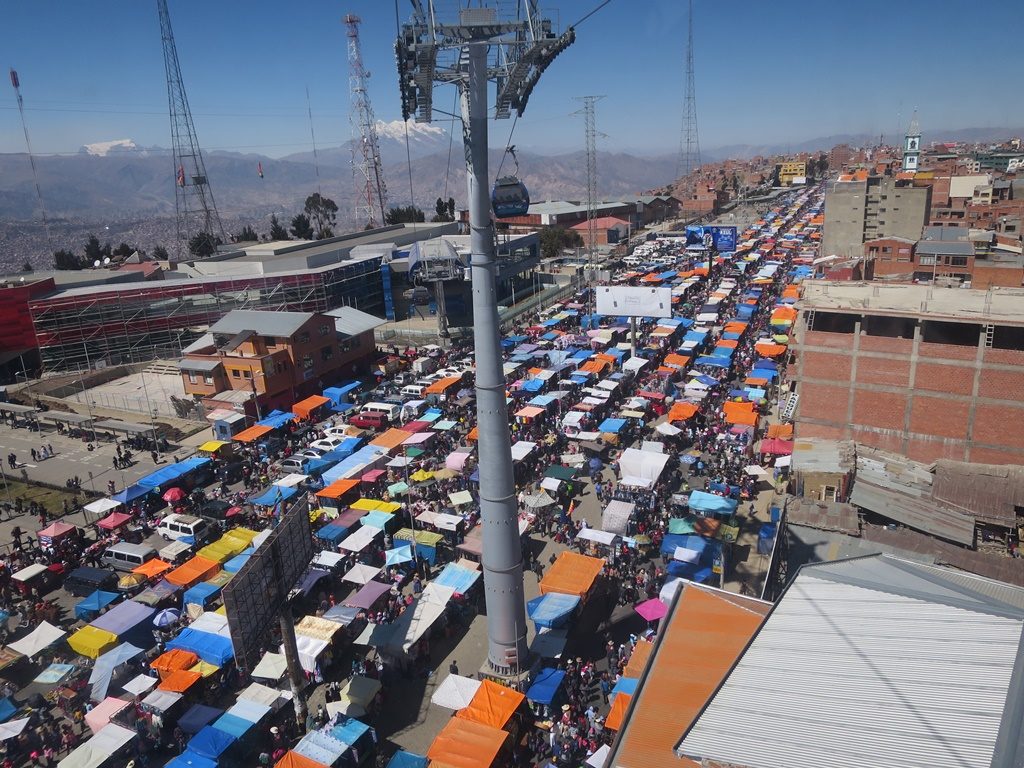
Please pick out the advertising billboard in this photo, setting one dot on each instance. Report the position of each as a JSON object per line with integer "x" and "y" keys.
{"x": 722, "y": 239}
{"x": 634, "y": 301}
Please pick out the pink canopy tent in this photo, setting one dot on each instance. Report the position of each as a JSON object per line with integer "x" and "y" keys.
{"x": 776, "y": 446}
{"x": 651, "y": 610}
{"x": 114, "y": 520}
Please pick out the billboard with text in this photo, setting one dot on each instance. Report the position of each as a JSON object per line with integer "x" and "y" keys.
{"x": 722, "y": 239}
{"x": 634, "y": 301}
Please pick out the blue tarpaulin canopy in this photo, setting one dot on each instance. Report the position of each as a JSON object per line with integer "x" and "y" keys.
{"x": 350, "y": 731}
{"x": 273, "y": 495}
{"x": 311, "y": 579}
{"x": 234, "y": 565}
{"x": 198, "y": 716}
{"x": 706, "y": 380}
{"x": 695, "y": 336}
{"x": 211, "y": 648}
{"x": 403, "y": 759}
{"x": 130, "y": 493}
{"x": 714, "y": 362}
{"x": 533, "y": 385}
{"x": 542, "y": 401}
{"x": 94, "y": 603}
{"x": 398, "y": 555}
{"x": 200, "y": 594}
{"x": 210, "y": 742}
{"x": 611, "y": 425}
{"x": 709, "y": 504}
{"x": 7, "y": 709}
{"x": 625, "y": 685}
{"x": 189, "y": 759}
{"x": 233, "y": 724}
{"x": 459, "y": 579}
{"x": 766, "y": 364}
{"x": 331, "y": 532}
{"x": 276, "y": 419}
{"x": 552, "y": 609}
{"x": 545, "y": 686}
{"x": 731, "y": 336}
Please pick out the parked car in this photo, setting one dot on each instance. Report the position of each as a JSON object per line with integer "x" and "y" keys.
{"x": 327, "y": 443}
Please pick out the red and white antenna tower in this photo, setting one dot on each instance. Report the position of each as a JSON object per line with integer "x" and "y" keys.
{"x": 371, "y": 192}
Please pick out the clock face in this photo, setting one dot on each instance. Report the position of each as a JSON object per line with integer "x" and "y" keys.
{"x": 912, "y": 144}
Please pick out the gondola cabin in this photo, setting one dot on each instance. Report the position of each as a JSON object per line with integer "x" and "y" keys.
{"x": 510, "y": 197}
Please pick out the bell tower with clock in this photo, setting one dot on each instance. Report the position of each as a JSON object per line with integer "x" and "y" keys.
{"x": 912, "y": 146}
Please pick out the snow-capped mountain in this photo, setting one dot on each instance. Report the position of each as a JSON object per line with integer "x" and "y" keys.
{"x": 104, "y": 148}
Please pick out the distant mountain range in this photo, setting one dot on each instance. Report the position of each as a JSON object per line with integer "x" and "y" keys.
{"x": 129, "y": 188}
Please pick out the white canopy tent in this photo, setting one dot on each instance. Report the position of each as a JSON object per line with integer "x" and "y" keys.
{"x": 272, "y": 666}
{"x": 615, "y": 517}
{"x": 38, "y": 640}
{"x": 601, "y": 537}
{"x": 455, "y": 692}
{"x": 641, "y": 469}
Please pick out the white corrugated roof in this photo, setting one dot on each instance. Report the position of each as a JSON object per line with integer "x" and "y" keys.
{"x": 853, "y": 669}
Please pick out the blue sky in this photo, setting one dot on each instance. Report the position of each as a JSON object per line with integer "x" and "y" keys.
{"x": 766, "y": 72}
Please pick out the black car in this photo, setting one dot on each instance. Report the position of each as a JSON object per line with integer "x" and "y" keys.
{"x": 82, "y": 582}
{"x": 216, "y": 512}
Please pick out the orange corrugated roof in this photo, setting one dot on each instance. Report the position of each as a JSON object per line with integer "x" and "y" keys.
{"x": 492, "y": 705}
{"x": 254, "y": 432}
{"x": 391, "y": 439}
{"x": 339, "y": 488}
{"x": 701, "y": 641}
{"x": 440, "y": 386}
{"x": 571, "y": 574}
{"x": 638, "y": 659}
{"x": 466, "y": 744}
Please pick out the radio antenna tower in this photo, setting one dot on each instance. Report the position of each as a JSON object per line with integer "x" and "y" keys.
{"x": 590, "y": 134}
{"x": 469, "y": 51}
{"x": 372, "y": 198}
{"x": 194, "y": 207}
{"x": 689, "y": 141}
{"x": 16, "y": 82}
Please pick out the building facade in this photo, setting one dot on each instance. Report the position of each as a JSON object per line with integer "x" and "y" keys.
{"x": 922, "y": 371}
{"x": 859, "y": 208}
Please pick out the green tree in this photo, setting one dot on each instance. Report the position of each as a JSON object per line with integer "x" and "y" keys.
{"x": 248, "y": 234}
{"x": 277, "y": 232}
{"x": 404, "y": 214}
{"x": 301, "y": 227}
{"x": 554, "y": 239}
{"x": 451, "y": 209}
{"x": 203, "y": 245}
{"x": 26, "y": 266}
{"x": 123, "y": 250}
{"x": 440, "y": 210}
{"x": 160, "y": 253}
{"x": 94, "y": 251}
{"x": 65, "y": 259}
{"x": 322, "y": 213}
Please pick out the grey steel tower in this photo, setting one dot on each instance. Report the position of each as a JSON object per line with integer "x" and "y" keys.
{"x": 430, "y": 50}
{"x": 195, "y": 209}
{"x": 372, "y": 192}
{"x": 689, "y": 143}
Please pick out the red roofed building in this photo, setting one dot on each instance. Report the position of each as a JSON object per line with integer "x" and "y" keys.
{"x": 608, "y": 230}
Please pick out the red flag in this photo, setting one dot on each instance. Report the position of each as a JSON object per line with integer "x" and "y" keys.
{"x": 181, "y": 175}
{"x": 259, "y": 169}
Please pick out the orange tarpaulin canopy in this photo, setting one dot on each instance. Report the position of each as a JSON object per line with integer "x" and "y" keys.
{"x": 152, "y": 568}
{"x": 610, "y": 359}
{"x": 735, "y": 327}
{"x": 727, "y": 343}
{"x": 618, "y": 711}
{"x": 730, "y": 407}
{"x": 179, "y": 681}
{"x": 571, "y": 574}
{"x": 172, "y": 660}
{"x": 391, "y": 439}
{"x": 791, "y": 292}
{"x": 466, "y": 744}
{"x": 593, "y": 366}
{"x": 195, "y": 570}
{"x": 339, "y": 488}
{"x": 440, "y": 386}
{"x": 676, "y": 361}
{"x": 770, "y": 350}
{"x": 529, "y": 412}
{"x": 756, "y": 381}
{"x": 295, "y": 760}
{"x": 303, "y": 408}
{"x": 781, "y": 431}
{"x": 784, "y": 313}
{"x": 742, "y": 419}
{"x": 681, "y": 411}
{"x": 474, "y": 434}
{"x": 254, "y": 432}
{"x": 492, "y": 705}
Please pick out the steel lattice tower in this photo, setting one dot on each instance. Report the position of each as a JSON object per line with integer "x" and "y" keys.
{"x": 366, "y": 164}
{"x": 193, "y": 199}
{"x": 590, "y": 135}
{"x": 689, "y": 141}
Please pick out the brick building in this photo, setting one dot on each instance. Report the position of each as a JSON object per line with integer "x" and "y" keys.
{"x": 926, "y": 372}
{"x": 608, "y": 230}
{"x": 278, "y": 357}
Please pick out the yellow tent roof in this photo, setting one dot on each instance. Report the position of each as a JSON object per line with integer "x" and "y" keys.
{"x": 375, "y": 505}
{"x": 203, "y": 668}
{"x": 91, "y": 642}
{"x": 212, "y": 446}
{"x": 420, "y": 476}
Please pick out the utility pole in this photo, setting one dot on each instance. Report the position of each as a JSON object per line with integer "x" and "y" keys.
{"x": 430, "y": 51}
{"x": 366, "y": 163}
{"x": 195, "y": 209}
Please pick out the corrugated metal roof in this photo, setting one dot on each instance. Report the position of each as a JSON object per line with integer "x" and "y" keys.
{"x": 823, "y": 455}
{"x": 704, "y": 634}
{"x": 920, "y": 514}
{"x": 204, "y": 366}
{"x": 944, "y": 248}
{"x": 265, "y": 323}
{"x": 825, "y": 515}
{"x": 988, "y": 491}
{"x": 852, "y": 674}
{"x": 352, "y": 322}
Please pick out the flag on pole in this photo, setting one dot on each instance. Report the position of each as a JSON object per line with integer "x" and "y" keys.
{"x": 259, "y": 169}
{"x": 181, "y": 175}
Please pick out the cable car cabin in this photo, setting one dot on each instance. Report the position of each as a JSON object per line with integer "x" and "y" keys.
{"x": 510, "y": 197}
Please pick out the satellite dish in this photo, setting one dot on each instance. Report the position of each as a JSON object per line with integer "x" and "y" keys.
{"x": 96, "y": 263}
{"x": 106, "y": 260}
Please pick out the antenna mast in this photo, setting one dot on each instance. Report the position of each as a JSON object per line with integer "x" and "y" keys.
{"x": 194, "y": 207}
{"x": 689, "y": 144}
{"x": 16, "y": 82}
{"x": 372, "y": 199}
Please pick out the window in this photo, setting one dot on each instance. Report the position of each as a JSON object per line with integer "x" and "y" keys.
{"x": 246, "y": 374}
{"x": 926, "y": 261}
{"x": 192, "y": 378}
{"x": 886, "y": 249}
{"x": 959, "y": 261}
{"x": 324, "y": 330}
{"x": 326, "y": 353}
{"x": 307, "y": 361}
{"x": 207, "y": 379}
{"x": 236, "y": 374}
{"x": 303, "y": 338}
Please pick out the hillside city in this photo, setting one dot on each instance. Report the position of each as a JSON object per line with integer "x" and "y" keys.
{"x": 587, "y": 459}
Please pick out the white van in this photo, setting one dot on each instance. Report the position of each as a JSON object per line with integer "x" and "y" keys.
{"x": 391, "y": 410}
{"x": 127, "y": 557}
{"x": 174, "y": 527}
{"x": 412, "y": 390}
